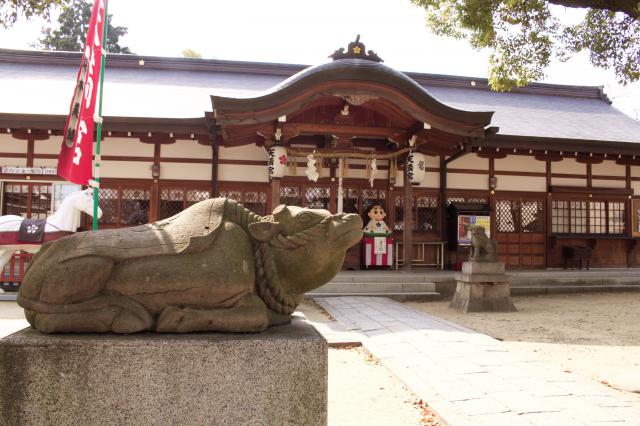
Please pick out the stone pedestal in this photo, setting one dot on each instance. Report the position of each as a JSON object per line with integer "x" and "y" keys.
{"x": 482, "y": 287}
{"x": 276, "y": 377}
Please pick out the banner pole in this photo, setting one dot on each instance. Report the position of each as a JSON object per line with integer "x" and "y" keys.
{"x": 96, "y": 176}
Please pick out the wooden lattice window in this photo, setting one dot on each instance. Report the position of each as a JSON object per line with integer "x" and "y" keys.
{"x": 109, "y": 202}
{"x": 371, "y": 197}
{"x": 578, "y": 215}
{"x": 507, "y": 215}
{"x": 398, "y": 222}
{"x": 559, "y": 217}
{"x": 290, "y": 195}
{"x": 520, "y": 216}
{"x": 451, "y": 200}
{"x": 174, "y": 200}
{"x": 464, "y": 199}
{"x": 256, "y": 201}
{"x": 588, "y": 217}
{"x": 616, "y": 220}
{"x": 598, "y": 217}
{"x": 427, "y": 214}
{"x": 122, "y": 206}
{"x": 29, "y": 200}
{"x": 134, "y": 206}
{"x": 351, "y": 201}
{"x": 532, "y": 216}
{"x": 314, "y": 197}
{"x": 317, "y": 197}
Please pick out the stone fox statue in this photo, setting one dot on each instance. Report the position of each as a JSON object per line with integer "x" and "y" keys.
{"x": 216, "y": 266}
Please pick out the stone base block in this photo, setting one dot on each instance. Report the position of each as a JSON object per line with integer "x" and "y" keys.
{"x": 482, "y": 297}
{"x": 482, "y": 278}
{"x": 491, "y": 268}
{"x": 277, "y": 377}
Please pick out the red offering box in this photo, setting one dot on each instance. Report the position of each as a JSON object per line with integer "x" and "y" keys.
{"x": 369, "y": 255}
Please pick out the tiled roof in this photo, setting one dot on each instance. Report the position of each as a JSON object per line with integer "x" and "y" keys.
{"x": 41, "y": 86}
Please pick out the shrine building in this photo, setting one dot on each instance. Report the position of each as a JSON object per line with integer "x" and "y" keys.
{"x": 545, "y": 168}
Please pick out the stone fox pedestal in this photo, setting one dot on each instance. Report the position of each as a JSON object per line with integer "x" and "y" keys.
{"x": 278, "y": 377}
{"x": 482, "y": 287}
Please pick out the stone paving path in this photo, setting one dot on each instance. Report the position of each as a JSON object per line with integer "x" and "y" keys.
{"x": 469, "y": 378}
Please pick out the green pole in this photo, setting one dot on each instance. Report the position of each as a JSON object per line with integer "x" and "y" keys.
{"x": 96, "y": 177}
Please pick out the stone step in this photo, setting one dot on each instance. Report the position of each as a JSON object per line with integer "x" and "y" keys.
{"x": 400, "y": 297}
{"x": 574, "y": 281}
{"x": 558, "y": 289}
{"x": 381, "y": 287}
{"x": 381, "y": 277}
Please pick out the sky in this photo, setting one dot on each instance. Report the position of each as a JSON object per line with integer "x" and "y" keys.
{"x": 301, "y": 32}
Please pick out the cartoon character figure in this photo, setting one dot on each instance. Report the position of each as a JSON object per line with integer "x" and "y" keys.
{"x": 377, "y": 225}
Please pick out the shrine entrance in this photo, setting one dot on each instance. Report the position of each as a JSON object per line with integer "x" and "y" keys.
{"x": 351, "y": 133}
{"x": 520, "y": 231}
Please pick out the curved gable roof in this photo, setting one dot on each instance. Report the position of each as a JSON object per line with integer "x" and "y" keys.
{"x": 346, "y": 77}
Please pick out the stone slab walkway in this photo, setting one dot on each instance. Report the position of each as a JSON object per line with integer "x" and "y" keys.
{"x": 469, "y": 378}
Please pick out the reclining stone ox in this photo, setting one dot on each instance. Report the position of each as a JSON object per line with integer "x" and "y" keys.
{"x": 216, "y": 266}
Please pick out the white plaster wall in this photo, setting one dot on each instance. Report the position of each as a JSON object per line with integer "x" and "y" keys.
{"x": 470, "y": 161}
{"x": 185, "y": 149}
{"x": 601, "y": 183}
{"x": 608, "y": 168}
{"x": 582, "y": 183}
{"x": 431, "y": 180}
{"x": 129, "y": 147}
{"x": 234, "y": 172}
{"x": 17, "y": 162}
{"x": 635, "y": 185}
{"x": 433, "y": 161}
{"x": 519, "y": 163}
{"x": 45, "y": 162}
{"x": 185, "y": 171}
{"x": 49, "y": 146}
{"x": 126, "y": 169}
{"x": 568, "y": 165}
{"x": 635, "y": 171}
{"x": 244, "y": 152}
{"x": 467, "y": 181}
{"x": 9, "y": 144}
{"x": 522, "y": 183}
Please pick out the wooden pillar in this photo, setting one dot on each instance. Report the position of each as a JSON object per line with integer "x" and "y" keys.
{"x": 443, "y": 198}
{"x": 30, "y": 151}
{"x": 407, "y": 220}
{"x": 154, "y": 197}
{"x": 274, "y": 200}
{"x": 214, "y": 168}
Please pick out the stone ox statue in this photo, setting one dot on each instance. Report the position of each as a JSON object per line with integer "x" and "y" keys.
{"x": 214, "y": 267}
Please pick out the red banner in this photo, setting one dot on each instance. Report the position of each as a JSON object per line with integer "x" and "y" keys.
{"x": 75, "y": 161}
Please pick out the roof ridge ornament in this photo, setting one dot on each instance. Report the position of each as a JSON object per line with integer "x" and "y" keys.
{"x": 355, "y": 50}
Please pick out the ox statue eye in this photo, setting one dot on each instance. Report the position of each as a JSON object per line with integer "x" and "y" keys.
{"x": 306, "y": 217}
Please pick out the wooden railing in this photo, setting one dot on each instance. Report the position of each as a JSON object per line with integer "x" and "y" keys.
{"x": 420, "y": 254}
{"x": 13, "y": 272}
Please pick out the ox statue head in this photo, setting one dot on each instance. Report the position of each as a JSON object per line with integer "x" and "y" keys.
{"x": 308, "y": 245}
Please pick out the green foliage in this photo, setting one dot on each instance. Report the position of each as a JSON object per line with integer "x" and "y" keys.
{"x": 523, "y": 35}
{"x": 190, "y": 53}
{"x": 73, "y": 24}
{"x": 10, "y": 10}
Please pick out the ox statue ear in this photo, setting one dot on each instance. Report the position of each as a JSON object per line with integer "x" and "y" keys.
{"x": 263, "y": 231}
